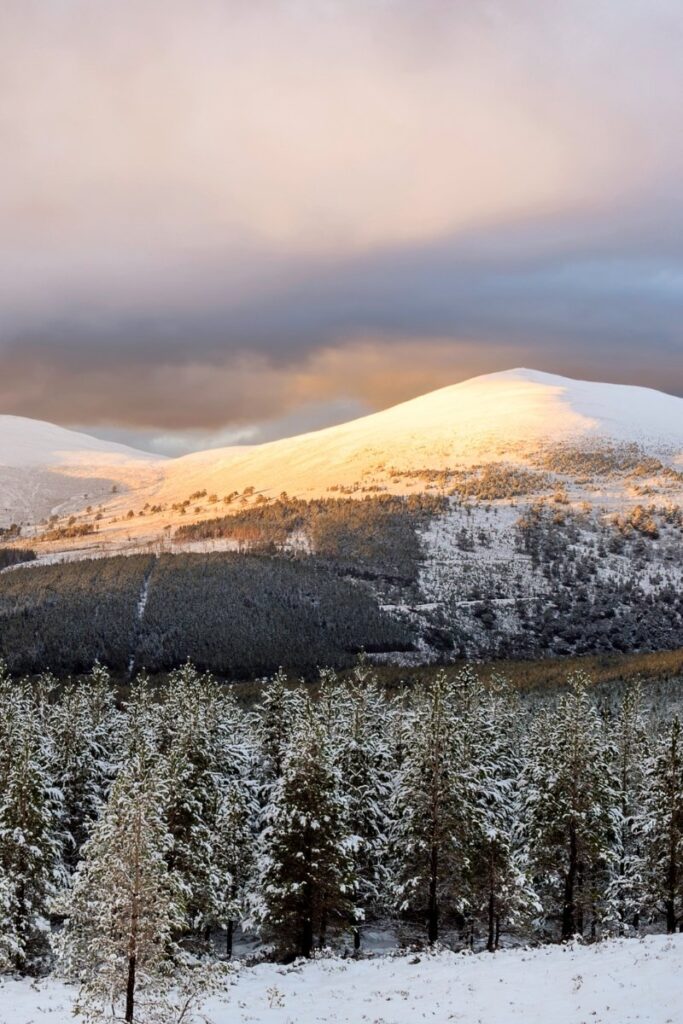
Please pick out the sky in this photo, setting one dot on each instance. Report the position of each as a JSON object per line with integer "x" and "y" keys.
{"x": 225, "y": 222}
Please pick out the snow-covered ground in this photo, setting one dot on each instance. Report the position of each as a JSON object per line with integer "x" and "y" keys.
{"x": 615, "y": 982}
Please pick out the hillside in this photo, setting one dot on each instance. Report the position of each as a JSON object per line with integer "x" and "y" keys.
{"x": 25, "y": 442}
{"x": 514, "y": 515}
{"x": 585, "y": 437}
{"x": 45, "y": 469}
{"x": 490, "y": 418}
{"x": 508, "y": 418}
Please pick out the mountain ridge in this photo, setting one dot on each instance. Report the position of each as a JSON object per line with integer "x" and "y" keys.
{"x": 511, "y": 417}
{"x": 25, "y": 442}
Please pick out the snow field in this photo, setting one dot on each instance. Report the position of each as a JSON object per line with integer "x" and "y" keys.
{"x": 621, "y": 981}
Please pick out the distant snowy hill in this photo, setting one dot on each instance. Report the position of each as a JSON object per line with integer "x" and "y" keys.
{"x": 25, "y": 442}
{"x": 46, "y": 469}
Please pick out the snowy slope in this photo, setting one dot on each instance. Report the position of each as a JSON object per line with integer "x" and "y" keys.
{"x": 507, "y": 416}
{"x": 617, "y": 982}
{"x": 45, "y": 468}
{"x": 498, "y": 415}
{"x": 25, "y": 442}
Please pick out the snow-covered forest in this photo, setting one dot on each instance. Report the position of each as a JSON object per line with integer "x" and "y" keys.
{"x": 146, "y": 842}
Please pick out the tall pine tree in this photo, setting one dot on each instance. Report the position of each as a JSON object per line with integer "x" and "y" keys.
{"x": 430, "y": 814}
{"x": 125, "y": 905}
{"x": 569, "y": 808}
{"x": 306, "y": 877}
{"x": 663, "y": 829}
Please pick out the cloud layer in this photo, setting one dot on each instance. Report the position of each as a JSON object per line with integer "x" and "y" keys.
{"x": 225, "y": 220}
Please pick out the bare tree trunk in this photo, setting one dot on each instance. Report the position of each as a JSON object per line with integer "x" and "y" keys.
{"x": 670, "y": 916}
{"x": 579, "y": 903}
{"x": 491, "y": 940}
{"x": 307, "y": 937}
{"x": 130, "y": 990}
{"x": 433, "y": 919}
{"x": 228, "y": 939}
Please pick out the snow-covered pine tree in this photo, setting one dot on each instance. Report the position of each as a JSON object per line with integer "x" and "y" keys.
{"x": 190, "y": 747}
{"x": 569, "y": 809}
{"x": 430, "y": 826}
{"x": 84, "y": 730}
{"x": 398, "y": 729}
{"x": 364, "y": 761}
{"x": 499, "y": 889}
{"x": 278, "y": 712}
{"x": 306, "y": 882}
{"x": 629, "y": 753}
{"x": 233, "y": 858}
{"x": 125, "y": 905}
{"x": 663, "y": 827}
{"x": 30, "y": 840}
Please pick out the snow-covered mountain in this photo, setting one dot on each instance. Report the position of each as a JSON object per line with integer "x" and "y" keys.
{"x": 509, "y": 418}
{"x": 492, "y": 417}
{"x": 26, "y": 442}
{"x": 45, "y": 469}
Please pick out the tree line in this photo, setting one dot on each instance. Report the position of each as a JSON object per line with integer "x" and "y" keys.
{"x": 138, "y": 837}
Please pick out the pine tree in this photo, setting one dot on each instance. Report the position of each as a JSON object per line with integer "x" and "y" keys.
{"x": 233, "y": 858}
{"x": 364, "y": 762}
{"x": 84, "y": 729}
{"x": 190, "y": 743}
{"x": 430, "y": 814}
{"x": 569, "y": 808}
{"x": 30, "y": 840}
{"x": 663, "y": 829}
{"x": 208, "y": 744}
{"x": 306, "y": 872}
{"x": 399, "y": 728}
{"x": 629, "y": 755}
{"x": 125, "y": 905}
{"x": 278, "y": 713}
{"x": 499, "y": 890}
{"x": 11, "y": 945}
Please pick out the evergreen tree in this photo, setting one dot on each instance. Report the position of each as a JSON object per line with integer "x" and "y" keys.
{"x": 233, "y": 859}
{"x": 306, "y": 874}
{"x": 11, "y": 946}
{"x": 630, "y": 756}
{"x": 125, "y": 905}
{"x": 399, "y": 728}
{"x": 207, "y": 745}
{"x": 366, "y": 772}
{"x": 499, "y": 889}
{"x": 663, "y": 828}
{"x": 430, "y": 814}
{"x": 278, "y": 713}
{"x": 30, "y": 840}
{"x": 84, "y": 729}
{"x": 569, "y": 808}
